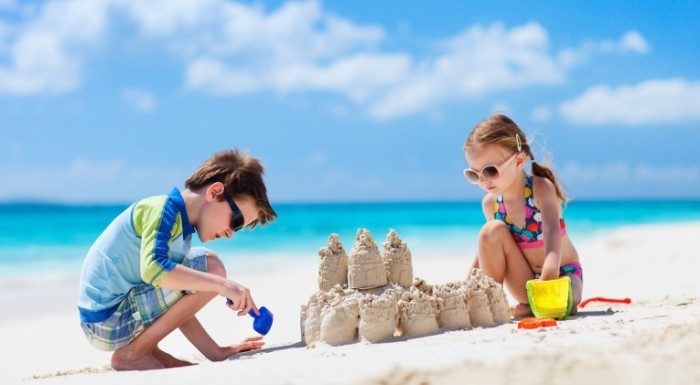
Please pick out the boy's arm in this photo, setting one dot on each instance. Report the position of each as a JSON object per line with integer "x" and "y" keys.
{"x": 157, "y": 222}
{"x": 184, "y": 278}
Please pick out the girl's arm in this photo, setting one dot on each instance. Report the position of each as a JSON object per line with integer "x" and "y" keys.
{"x": 549, "y": 205}
{"x": 487, "y": 208}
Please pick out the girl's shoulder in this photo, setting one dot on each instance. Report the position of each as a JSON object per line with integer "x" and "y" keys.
{"x": 542, "y": 186}
{"x": 488, "y": 200}
{"x": 487, "y": 205}
{"x": 543, "y": 191}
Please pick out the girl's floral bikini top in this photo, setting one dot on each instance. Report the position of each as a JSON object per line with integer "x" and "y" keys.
{"x": 531, "y": 235}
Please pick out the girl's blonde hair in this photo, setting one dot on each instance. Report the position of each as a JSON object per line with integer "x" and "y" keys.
{"x": 502, "y": 131}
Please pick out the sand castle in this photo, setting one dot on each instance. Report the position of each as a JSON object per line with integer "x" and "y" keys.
{"x": 372, "y": 296}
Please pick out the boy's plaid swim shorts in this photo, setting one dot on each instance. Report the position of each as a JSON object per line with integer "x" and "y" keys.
{"x": 140, "y": 308}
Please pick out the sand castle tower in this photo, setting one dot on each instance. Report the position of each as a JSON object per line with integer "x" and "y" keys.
{"x": 417, "y": 314}
{"x": 333, "y": 268}
{"x": 366, "y": 269}
{"x": 397, "y": 260}
{"x": 454, "y": 312}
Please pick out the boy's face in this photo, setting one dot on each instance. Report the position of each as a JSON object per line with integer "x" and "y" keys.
{"x": 216, "y": 216}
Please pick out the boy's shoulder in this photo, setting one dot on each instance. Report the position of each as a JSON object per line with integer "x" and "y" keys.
{"x": 153, "y": 210}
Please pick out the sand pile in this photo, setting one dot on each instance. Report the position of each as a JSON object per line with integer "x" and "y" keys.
{"x": 372, "y": 296}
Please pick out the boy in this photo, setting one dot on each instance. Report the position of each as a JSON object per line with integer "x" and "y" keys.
{"x": 141, "y": 280}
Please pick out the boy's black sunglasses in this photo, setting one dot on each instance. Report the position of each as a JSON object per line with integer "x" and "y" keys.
{"x": 237, "y": 220}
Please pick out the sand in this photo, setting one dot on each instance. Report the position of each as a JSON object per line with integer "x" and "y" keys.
{"x": 655, "y": 339}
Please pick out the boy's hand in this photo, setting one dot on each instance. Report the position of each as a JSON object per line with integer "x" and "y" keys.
{"x": 240, "y": 298}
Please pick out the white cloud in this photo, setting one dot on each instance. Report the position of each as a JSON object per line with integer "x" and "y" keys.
{"x": 631, "y": 41}
{"x": 215, "y": 77}
{"x": 141, "y": 100}
{"x": 624, "y": 172}
{"x": 40, "y": 57}
{"x": 635, "y": 42}
{"x": 164, "y": 17}
{"x": 293, "y": 49}
{"x": 478, "y": 60}
{"x": 8, "y": 3}
{"x": 652, "y": 101}
{"x": 231, "y": 48}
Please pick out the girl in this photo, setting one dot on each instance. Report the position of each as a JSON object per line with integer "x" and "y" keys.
{"x": 524, "y": 236}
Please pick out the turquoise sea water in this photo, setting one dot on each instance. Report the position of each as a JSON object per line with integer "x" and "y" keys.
{"x": 54, "y": 238}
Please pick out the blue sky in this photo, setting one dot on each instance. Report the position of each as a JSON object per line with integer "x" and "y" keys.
{"x": 114, "y": 100}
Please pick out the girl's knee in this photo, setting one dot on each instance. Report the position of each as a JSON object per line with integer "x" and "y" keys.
{"x": 493, "y": 232}
{"x": 215, "y": 265}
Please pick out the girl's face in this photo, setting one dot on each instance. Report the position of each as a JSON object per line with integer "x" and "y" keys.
{"x": 484, "y": 159}
{"x": 215, "y": 216}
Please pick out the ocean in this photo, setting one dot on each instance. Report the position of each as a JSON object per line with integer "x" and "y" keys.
{"x": 39, "y": 239}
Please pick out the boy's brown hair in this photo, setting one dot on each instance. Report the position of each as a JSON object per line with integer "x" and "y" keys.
{"x": 241, "y": 175}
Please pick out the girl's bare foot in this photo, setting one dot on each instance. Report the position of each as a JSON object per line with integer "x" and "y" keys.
{"x": 168, "y": 360}
{"x": 521, "y": 310}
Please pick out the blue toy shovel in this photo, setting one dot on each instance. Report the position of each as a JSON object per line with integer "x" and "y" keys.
{"x": 261, "y": 323}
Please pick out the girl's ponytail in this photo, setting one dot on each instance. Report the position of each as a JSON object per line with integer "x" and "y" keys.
{"x": 545, "y": 172}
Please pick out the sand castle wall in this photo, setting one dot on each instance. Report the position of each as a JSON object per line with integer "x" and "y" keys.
{"x": 378, "y": 317}
{"x": 417, "y": 314}
{"x": 452, "y": 303}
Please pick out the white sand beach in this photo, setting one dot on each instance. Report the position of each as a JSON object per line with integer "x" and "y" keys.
{"x": 655, "y": 339}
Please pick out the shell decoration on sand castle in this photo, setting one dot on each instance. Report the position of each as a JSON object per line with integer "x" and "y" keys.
{"x": 372, "y": 296}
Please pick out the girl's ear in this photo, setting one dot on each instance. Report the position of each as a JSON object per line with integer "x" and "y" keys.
{"x": 520, "y": 160}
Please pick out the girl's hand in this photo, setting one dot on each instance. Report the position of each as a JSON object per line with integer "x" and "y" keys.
{"x": 549, "y": 274}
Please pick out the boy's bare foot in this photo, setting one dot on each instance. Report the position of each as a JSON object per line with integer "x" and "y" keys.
{"x": 521, "y": 310}
{"x": 168, "y": 360}
{"x": 125, "y": 359}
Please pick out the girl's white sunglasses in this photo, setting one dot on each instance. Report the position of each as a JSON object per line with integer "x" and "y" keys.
{"x": 490, "y": 172}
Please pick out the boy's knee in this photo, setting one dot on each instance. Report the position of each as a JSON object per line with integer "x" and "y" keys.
{"x": 493, "y": 232}
{"x": 215, "y": 265}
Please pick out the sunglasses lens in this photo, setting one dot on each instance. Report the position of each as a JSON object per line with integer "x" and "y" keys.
{"x": 490, "y": 172}
{"x": 471, "y": 176}
{"x": 237, "y": 221}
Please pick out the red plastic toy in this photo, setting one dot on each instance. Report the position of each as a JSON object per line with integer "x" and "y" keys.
{"x": 603, "y": 299}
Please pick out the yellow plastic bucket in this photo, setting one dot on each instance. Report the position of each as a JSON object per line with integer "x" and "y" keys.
{"x": 550, "y": 299}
